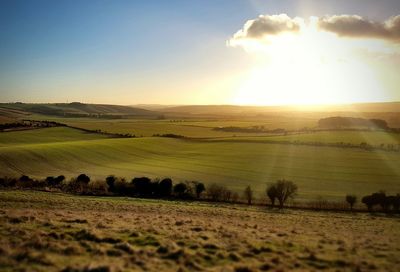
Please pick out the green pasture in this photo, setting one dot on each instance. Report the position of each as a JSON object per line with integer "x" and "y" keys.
{"x": 194, "y": 128}
{"x": 47, "y": 135}
{"x": 374, "y": 138}
{"x": 319, "y": 171}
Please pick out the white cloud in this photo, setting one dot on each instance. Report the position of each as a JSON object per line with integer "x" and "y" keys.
{"x": 358, "y": 27}
{"x": 266, "y": 28}
{"x": 266, "y": 25}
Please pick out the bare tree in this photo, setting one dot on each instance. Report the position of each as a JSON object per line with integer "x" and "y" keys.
{"x": 248, "y": 194}
{"x": 351, "y": 199}
{"x": 215, "y": 192}
{"x": 285, "y": 189}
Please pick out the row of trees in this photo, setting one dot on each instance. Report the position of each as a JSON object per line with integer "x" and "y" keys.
{"x": 387, "y": 203}
{"x": 277, "y": 193}
{"x": 144, "y": 187}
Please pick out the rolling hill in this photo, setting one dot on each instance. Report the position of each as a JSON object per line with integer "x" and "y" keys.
{"x": 319, "y": 171}
{"x": 76, "y": 109}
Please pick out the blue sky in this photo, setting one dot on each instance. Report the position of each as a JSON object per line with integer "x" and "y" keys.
{"x": 129, "y": 52}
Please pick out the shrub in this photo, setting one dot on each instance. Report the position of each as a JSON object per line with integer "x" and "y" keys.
{"x": 84, "y": 179}
{"x": 73, "y": 186}
{"x": 165, "y": 187}
{"x": 59, "y": 179}
{"x": 8, "y": 182}
{"x": 142, "y": 186}
{"x": 215, "y": 192}
{"x": 110, "y": 180}
{"x": 199, "y": 188}
{"x": 180, "y": 189}
{"x": 121, "y": 187}
{"x": 98, "y": 187}
{"x": 54, "y": 181}
{"x": 26, "y": 182}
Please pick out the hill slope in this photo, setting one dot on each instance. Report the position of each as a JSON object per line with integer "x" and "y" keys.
{"x": 77, "y": 109}
{"x": 326, "y": 171}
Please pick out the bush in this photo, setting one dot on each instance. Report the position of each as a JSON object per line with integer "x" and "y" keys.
{"x": 165, "y": 187}
{"x": 54, "y": 181}
{"x": 84, "y": 179}
{"x": 26, "y": 182}
{"x": 199, "y": 188}
{"x": 121, "y": 187}
{"x": 8, "y": 182}
{"x": 98, "y": 187}
{"x": 73, "y": 186}
{"x": 110, "y": 180}
{"x": 215, "y": 192}
{"x": 142, "y": 187}
{"x": 181, "y": 190}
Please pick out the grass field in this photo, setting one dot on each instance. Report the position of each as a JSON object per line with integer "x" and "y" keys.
{"x": 189, "y": 128}
{"x": 374, "y": 138}
{"x": 56, "y": 232}
{"x": 319, "y": 171}
{"x": 49, "y": 135}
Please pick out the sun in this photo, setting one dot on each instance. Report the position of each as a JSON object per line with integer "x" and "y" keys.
{"x": 308, "y": 68}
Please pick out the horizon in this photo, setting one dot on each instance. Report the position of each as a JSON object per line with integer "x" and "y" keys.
{"x": 183, "y": 105}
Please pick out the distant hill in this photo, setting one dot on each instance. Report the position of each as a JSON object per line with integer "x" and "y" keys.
{"x": 235, "y": 109}
{"x": 76, "y": 109}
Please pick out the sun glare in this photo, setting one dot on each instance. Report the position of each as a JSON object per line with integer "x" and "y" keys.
{"x": 310, "y": 68}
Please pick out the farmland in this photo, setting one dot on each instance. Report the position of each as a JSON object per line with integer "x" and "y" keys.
{"x": 374, "y": 138}
{"x": 51, "y": 232}
{"x": 197, "y": 128}
{"x": 319, "y": 171}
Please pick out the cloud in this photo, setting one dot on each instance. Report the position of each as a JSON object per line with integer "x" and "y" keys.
{"x": 358, "y": 27}
{"x": 266, "y": 25}
{"x": 262, "y": 30}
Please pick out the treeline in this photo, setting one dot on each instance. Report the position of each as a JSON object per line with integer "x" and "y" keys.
{"x": 277, "y": 194}
{"x": 362, "y": 145}
{"x": 253, "y": 129}
{"x": 378, "y": 201}
{"x": 29, "y": 124}
{"x": 144, "y": 187}
{"x": 346, "y": 122}
{"x": 387, "y": 203}
{"x": 169, "y": 135}
{"x": 46, "y": 124}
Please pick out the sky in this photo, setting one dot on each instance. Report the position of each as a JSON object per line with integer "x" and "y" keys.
{"x": 200, "y": 52}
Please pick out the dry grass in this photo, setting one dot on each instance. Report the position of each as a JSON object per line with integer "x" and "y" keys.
{"x": 56, "y": 232}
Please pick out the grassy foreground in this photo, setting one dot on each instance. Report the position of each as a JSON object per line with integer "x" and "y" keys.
{"x": 53, "y": 232}
{"x": 319, "y": 171}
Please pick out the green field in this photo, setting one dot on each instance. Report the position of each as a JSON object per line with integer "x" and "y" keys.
{"x": 319, "y": 171}
{"x": 197, "y": 128}
{"x": 58, "y": 232}
{"x": 43, "y": 136}
{"x": 374, "y": 138}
